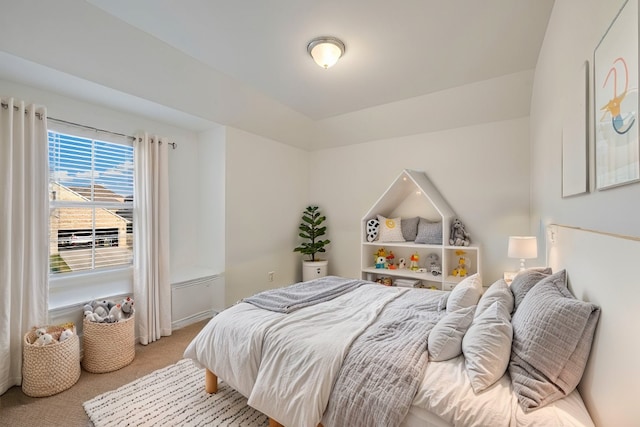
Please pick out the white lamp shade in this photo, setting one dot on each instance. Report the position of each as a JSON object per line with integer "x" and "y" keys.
{"x": 523, "y": 247}
{"x": 326, "y": 51}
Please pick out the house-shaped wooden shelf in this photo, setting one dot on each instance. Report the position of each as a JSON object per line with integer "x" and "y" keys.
{"x": 412, "y": 195}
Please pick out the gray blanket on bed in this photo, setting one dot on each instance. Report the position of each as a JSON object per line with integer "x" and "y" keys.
{"x": 303, "y": 294}
{"x": 385, "y": 365}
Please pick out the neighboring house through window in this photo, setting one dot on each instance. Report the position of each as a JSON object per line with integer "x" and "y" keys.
{"x": 91, "y": 203}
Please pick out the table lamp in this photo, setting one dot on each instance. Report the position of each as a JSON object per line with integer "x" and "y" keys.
{"x": 523, "y": 247}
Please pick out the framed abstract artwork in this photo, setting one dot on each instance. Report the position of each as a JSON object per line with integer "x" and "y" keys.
{"x": 616, "y": 102}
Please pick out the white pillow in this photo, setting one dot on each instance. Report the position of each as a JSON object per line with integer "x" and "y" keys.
{"x": 390, "y": 229}
{"x": 498, "y": 291}
{"x": 465, "y": 294}
{"x": 445, "y": 339}
{"x": 487, "y": 346}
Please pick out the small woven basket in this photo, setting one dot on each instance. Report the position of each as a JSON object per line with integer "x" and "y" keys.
{"x": 108, "y": 346}
{"x": 51, "y": 368}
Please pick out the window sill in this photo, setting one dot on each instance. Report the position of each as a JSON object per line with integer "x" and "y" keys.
{"x": 80, "y": 288}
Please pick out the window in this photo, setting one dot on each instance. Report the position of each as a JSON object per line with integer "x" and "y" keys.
{"x": 91, "y": 203}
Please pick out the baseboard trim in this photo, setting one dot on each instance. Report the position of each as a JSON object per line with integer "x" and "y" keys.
{"x": 181, "y": 323}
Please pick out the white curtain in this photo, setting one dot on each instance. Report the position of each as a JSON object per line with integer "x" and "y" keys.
{"x": 24, "y": 231}
{"x": 151, "y": 287}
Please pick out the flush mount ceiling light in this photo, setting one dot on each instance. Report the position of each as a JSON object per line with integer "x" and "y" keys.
{"x": 325, "y": 50}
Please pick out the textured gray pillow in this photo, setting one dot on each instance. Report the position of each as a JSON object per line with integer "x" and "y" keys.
{"x": 523, "y": 282}
{"x": 409, "y": 228}
{"x": 487, "y": 346}
{"x": 465, "y": 294}
{"x": 552, "y": 336}
{"x": 445, "y": 339}
{"x": 498, "y": 291}
{"x": 429, "y": 233}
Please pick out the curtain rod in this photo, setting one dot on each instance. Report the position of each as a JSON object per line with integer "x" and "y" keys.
{"x": 4, "y": 105}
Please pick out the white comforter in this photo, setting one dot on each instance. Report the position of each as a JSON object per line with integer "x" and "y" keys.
{"x": 287, "y": 372}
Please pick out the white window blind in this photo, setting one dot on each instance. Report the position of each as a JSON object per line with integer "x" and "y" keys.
{"x": 91, "y": 202}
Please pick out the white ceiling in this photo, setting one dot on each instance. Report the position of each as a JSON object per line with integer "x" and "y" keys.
{"x": 394, "y": 50}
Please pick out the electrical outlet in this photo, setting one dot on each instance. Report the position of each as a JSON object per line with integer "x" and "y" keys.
{"x": 271, "y": 275}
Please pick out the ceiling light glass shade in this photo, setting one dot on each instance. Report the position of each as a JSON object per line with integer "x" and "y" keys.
{"x": 325, "y": 50}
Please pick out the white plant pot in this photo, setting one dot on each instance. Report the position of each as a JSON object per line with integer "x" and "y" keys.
{"x": 314, "y": 269}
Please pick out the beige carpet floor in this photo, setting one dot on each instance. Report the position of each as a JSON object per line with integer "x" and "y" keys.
{"x": 65, "y": 409}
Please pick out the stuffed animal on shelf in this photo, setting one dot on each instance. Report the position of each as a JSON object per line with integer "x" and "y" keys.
{"x": 381, "y": 252}
{"x": 463, "y": 262}
{"x": 380, "y": 262}
{"x": 458, "y": 235}
{"x": 414, "y": 261}
{"x": 390, "y": 258}
{"x": 402, "y": 263}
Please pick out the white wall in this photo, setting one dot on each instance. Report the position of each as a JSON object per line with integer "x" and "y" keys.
{"x": 267, "y": 187}
{"x": 482, "y": 171}
{"x": 575, "y": 29}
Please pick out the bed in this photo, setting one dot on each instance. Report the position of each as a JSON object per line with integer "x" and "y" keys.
{"x": 331, "y": 352}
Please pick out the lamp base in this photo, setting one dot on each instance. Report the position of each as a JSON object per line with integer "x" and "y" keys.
{"x": 522, "y": 264}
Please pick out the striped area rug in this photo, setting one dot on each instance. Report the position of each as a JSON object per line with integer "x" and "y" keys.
{"x": 173, "y": 396}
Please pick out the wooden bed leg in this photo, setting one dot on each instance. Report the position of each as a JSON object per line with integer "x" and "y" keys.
{"x": 210, "y": 382}
{"x": 274, "y": 423}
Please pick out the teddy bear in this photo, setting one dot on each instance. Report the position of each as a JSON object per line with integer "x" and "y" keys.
{"x": 459, "y": 236}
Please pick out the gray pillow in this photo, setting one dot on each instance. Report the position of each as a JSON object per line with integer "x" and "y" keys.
{"x": 552, "y": 336}
{"x": 429, "y": 233}
{"x": 498, "y": 291}
{"x": 409, "y": 228}
{"x": 523, "y": 282}
{"x": 465, "y": 294}
{"x": 445, "y": 339}
{"x": 487, "y": 346}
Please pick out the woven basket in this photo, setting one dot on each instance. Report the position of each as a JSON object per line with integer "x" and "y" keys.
{"x": 108, "y": 346}
{"x": 51, "y": 368}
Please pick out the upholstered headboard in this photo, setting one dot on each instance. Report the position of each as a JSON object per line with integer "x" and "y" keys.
{"x": 604, "y": 269}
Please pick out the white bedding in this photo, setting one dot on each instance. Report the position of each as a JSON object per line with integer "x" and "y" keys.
{"x": 287, "y": 372}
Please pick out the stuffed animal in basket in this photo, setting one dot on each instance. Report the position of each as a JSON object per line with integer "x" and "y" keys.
{"x": 45, "y": 339}
{"x": 66, "y": 334}
{"x": 101, "y": 308}
{"x": 121, "y": 311}
{"x": 127, "y": 307}
{"x": 93, "y": 317}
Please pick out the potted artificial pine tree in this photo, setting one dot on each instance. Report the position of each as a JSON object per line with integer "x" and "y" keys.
{"x": 312, "y": 230}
